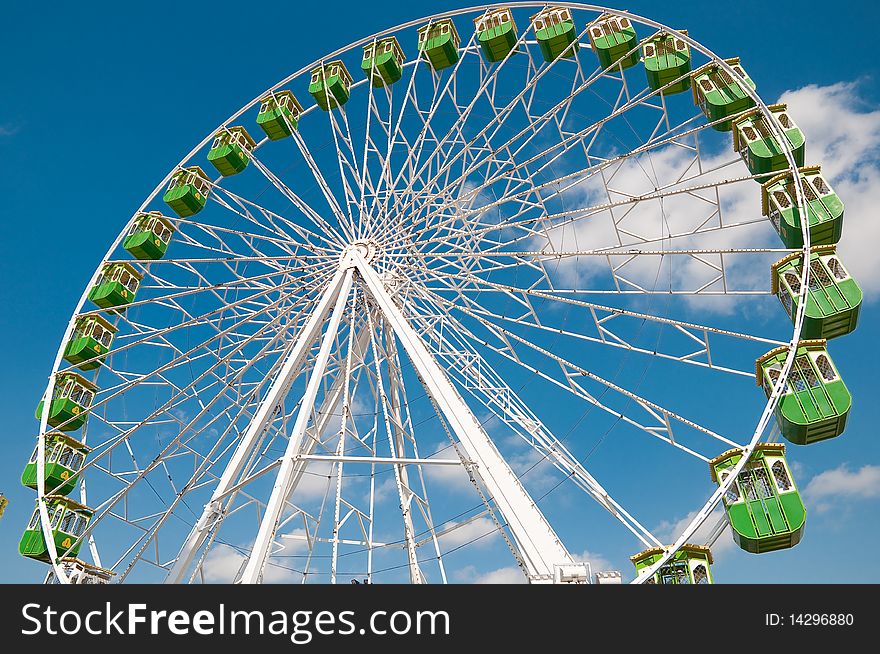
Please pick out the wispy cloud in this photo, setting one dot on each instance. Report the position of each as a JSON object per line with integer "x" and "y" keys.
{"x": 507, "y": 575}
{"x": 9, "y": 129}
{"x": 843, "y": 134}
{"x": 828, "y": 488}
{"x": 669, "y": 530}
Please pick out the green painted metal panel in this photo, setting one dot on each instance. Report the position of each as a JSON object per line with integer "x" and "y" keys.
{"x": 228, "y": 158}
{"x": 111, "y": 295}
{"x": 824, "y": 210}
{"x": 762, "y": 525}
{"x": 330, "y": 93}
{"x": 816, "y": 403}
{"x": 61, "y": 411}
{"x": 33, "y": 546}
{"x": 765, "y": 511}
{"x": 82, "y": 349}
{"x": 274, "y": 125}
{"x": 145, "y": 245}
{"x": 559, "y": 40}
{"x": 774, "y": 513}
{"x": 721, "y": 96}
{"x": 59, "y": 479}
{"x": 185, "y": 200}
{"x": 666, "y": 60}
{"x": 497, "y": 42}
{"x": 614, "y": 42}
{"x": 385, "y": 69}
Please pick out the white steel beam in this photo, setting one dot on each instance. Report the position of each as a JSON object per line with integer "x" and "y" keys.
{"x": 540, "y": 549}
{"x": 289, "y": 371}
{"x": 253, "y": 571}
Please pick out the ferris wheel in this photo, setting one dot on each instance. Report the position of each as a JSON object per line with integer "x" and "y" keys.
{"x": 397, "y": 306}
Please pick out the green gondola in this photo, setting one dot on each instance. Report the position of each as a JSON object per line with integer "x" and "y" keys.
{"x": 187, "y": 191}
{"x": 719, "y": 95}
{"x": 438, "y": 43}
{"x": 614, "y": 41}
{"x": 824, "y": 208}
{"x": 815, "y": 403}
{"x": 68, "y": 520}
{"x": 64, "y": 459}
{"x": 667, "y": 62}
{"x": 689, "y": 565}
{"x": 556, "y": 34}
{"x": 763, "y": 505}
{"x": 279, "y": 114}
{"x": 90, "y": 341}
{"x": 383, "y": 62}
{"x": 330, "y": 85}
{"x": 760, "y": 148}
{"x": 230, "y": 151}
{"x": 833, "y": 298}
{"x": 496, "y": 34}
{"x": 116, "y": 286}
{"x": 72, "y": 395}
{"x": 149, "y": 236}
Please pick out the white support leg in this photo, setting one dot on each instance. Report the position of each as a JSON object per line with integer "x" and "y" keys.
{"x": 283, "y": 483}
{"x": 541, "y": 550}
{"x": 289, "y": 371}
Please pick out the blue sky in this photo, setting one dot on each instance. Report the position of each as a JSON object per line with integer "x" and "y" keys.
{"x": 100, "y": 101}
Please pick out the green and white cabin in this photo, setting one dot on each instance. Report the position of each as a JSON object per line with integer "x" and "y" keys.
{"x": 64, "y": 459}
{"x": 230, "y": 151}
{"x": 614, "y": 41}
{"x": 689, "y": 565}
{"x": 187, "y": 191}
{"x": 667, "y": 62}
{"x": 149, "y": 236}
{"x": 383, "y": 62}
{"x": 763, "y": 505}
{"x": 116, "y": 286}
{"x": 90, "y": 341}
{"x": 759, "y": 147}
{"x": 815, "y": 403}
{"x": 438, "y": 43}
{"x": 824, "y": 208}
{"x": 496, "y": 33}
{"x": 68, "y": 520}
{"x": 330, "y": 85}
{"x": 556, "y": 34}
{"x": 72, "y": 395}
{"x": 833, "y": 299}
{"x": 279, "y": 114}
{"x": 719, "y": 95}
{"x": 80, "y": 573}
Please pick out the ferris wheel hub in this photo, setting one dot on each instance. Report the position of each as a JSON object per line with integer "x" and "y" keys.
{"x": 367, "y": 248}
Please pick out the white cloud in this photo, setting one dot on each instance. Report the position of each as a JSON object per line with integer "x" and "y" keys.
{"x": 841, "y": 483}
{"x": 449, "y": 477}
{"x": 598, "y": 563}
{"x": 223, "y": 563}
{"x": 843, "y": 135}
{"x": 508, "y": 575}
{"x": 669, "y": 531}
{"x": 481, "y": 531}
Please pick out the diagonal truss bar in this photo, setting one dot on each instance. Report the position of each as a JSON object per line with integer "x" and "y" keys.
{"x": 338, "y": 294}
{"x": 539, "y": 546}
{"x": 289, "y": 371}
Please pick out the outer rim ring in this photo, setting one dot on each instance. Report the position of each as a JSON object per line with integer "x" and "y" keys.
{"x": 704, "y": 513}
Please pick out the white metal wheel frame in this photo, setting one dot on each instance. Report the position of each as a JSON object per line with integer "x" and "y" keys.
{"x": 283, "y": 244}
